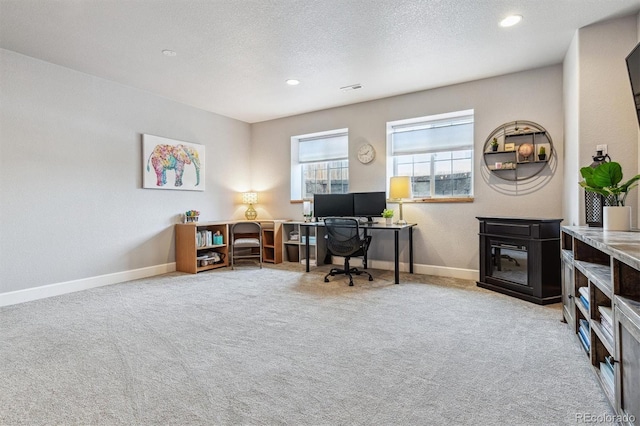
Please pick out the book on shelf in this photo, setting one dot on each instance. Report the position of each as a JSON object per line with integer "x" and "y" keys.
{"x": 607, "y": 375}
{"x": 585, "y": 335}
{"x": 584, "y": 340}
{"x": 204, "y": 238}
{"x": 584, "y": 296}
{"x": 584, "y": 291}
{"x": 584, "y": 301}
{"x": 609, "y": 360}
{"x": 606, "y": 316}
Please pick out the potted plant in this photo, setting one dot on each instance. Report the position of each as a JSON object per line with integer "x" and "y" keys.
{"x": 494, "y": 144}
{"x": 542, "y": 154}
{"x": 388, "y": 215}
{"x": 605, "y": 180}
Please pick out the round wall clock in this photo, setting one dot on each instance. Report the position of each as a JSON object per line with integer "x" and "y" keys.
{"x": 366, "y": 153}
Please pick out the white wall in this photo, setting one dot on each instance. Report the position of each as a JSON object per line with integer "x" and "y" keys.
{"x": 446, "y": 236}
{"x": 71, "y": 202}
{"x": 598, "y": 106}
{"x": 606, "y": 111}
{"x": 638, "y": 205}
{"x": 573, "y": 199}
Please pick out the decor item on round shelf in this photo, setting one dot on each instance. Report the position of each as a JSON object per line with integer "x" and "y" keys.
{"x": 525, "y": 150}
{"x": 494, "y": 144}
{"x": 542, "y": 154}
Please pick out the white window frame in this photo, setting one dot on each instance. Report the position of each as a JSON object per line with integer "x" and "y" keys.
{"x": 432, "y": 121}
{"x": 296, "y": 164}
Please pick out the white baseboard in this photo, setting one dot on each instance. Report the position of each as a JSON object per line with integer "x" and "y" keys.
{"x": 50, "y": 290}
{"x": 439, "y": 271}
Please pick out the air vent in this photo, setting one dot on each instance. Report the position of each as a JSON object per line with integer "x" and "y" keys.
{"x": 351, "y": 87}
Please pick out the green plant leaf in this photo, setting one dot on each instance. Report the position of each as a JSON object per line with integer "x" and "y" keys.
{"x": 629, "y": 185}
{"x": 607, "y": 175}
{"x": 587, "y": 174}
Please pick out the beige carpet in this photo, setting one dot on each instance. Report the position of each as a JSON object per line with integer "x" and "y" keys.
{"x": 278, "y": 346}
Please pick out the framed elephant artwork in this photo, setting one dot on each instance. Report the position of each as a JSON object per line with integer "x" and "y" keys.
{"x": 172, "y": 164}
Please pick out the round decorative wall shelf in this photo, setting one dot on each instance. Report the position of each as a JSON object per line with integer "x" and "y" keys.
{"x": 518, "y": 150}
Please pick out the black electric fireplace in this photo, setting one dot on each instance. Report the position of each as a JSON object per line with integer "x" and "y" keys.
{"x": 521, "y": 258}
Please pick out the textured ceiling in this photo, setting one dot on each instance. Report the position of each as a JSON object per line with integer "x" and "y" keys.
{"x": 233, "y": 56}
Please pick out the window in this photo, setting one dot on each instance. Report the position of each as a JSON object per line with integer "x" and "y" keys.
{"x": 436, "y": 151}
{"x": 319, "y": 164}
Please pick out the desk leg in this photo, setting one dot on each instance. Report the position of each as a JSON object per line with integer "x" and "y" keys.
{"x": 306, "y": 246}
{"x": 396, "y": 247}
{"x": 364, "y": 258}
{"x": 411, "y": 249}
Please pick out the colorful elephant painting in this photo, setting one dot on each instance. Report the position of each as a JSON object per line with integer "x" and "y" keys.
{"x": 173, "y": 157}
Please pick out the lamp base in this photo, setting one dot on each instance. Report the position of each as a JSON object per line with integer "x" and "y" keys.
{"x": 251, "y": 213}
{"x": 401, "y": 222}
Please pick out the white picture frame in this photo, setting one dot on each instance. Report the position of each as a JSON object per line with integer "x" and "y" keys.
{"x": 172, "y": 164}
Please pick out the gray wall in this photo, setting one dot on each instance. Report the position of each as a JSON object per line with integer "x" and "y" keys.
{"x": 71, "y": 203}
{"x": 599, "y": 106}
{"x": 446, "y": 236}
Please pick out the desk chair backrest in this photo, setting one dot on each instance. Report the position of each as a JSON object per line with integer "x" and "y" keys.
{"x": 344, "y": 237}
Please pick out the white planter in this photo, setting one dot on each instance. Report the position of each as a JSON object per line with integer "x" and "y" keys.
{"x": 388, "y": 220}
{"x": 617, "y": 218}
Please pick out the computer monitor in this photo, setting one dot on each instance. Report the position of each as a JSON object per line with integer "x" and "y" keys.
{"x": 369, "y": 204}
{"x": 325, "y": 205}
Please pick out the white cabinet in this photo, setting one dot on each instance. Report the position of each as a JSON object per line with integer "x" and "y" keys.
{"x": 294, "y": 243}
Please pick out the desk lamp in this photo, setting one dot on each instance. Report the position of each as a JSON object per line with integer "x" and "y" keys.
{"x": 399, "y": 188}
{"x": 250, "y": 198}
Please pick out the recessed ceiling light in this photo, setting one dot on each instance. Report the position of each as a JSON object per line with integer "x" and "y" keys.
{"x": 293, "y": 82}
{"x": 168, "y": 52}
{"x": 510, "y": 21}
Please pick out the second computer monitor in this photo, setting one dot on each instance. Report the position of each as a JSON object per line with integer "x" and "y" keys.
{"x": 369, "y": 204}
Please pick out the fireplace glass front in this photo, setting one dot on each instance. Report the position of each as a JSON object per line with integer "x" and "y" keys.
{"x": 509, "y": 262}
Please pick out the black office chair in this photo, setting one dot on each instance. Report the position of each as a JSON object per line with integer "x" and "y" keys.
{"x": 344, "y": 239}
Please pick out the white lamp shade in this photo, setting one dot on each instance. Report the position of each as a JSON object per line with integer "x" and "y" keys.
{"x": 400, "y": 187}
{"x": 249, "y": 197}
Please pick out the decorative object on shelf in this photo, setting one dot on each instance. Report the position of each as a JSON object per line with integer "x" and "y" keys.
{"x": 494, "y": 145}
{"x": 594, "y": 203}
{"x": 366, "y": 153}
{"x": 399, "y": 188}
{"x": 250, "y": 198}
{"x": 387, "y": 214}
{"x": 217, "y": 239}
{"x": 523, "y": 143}
{"x": 605, "y": 180}
{"x": 191, "y": 216}
{"x": 525, "y": 150}
{"x": 306, "y": 211}
{"x": 161, "y": 155}
{"x": 542, "y": 154}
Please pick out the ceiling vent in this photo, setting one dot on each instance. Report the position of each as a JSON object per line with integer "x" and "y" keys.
{"x": 351, "y": 87}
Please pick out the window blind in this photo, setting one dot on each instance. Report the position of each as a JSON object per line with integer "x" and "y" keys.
{"x": 432, "y": 136}
{"x": 323, "y": 148}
